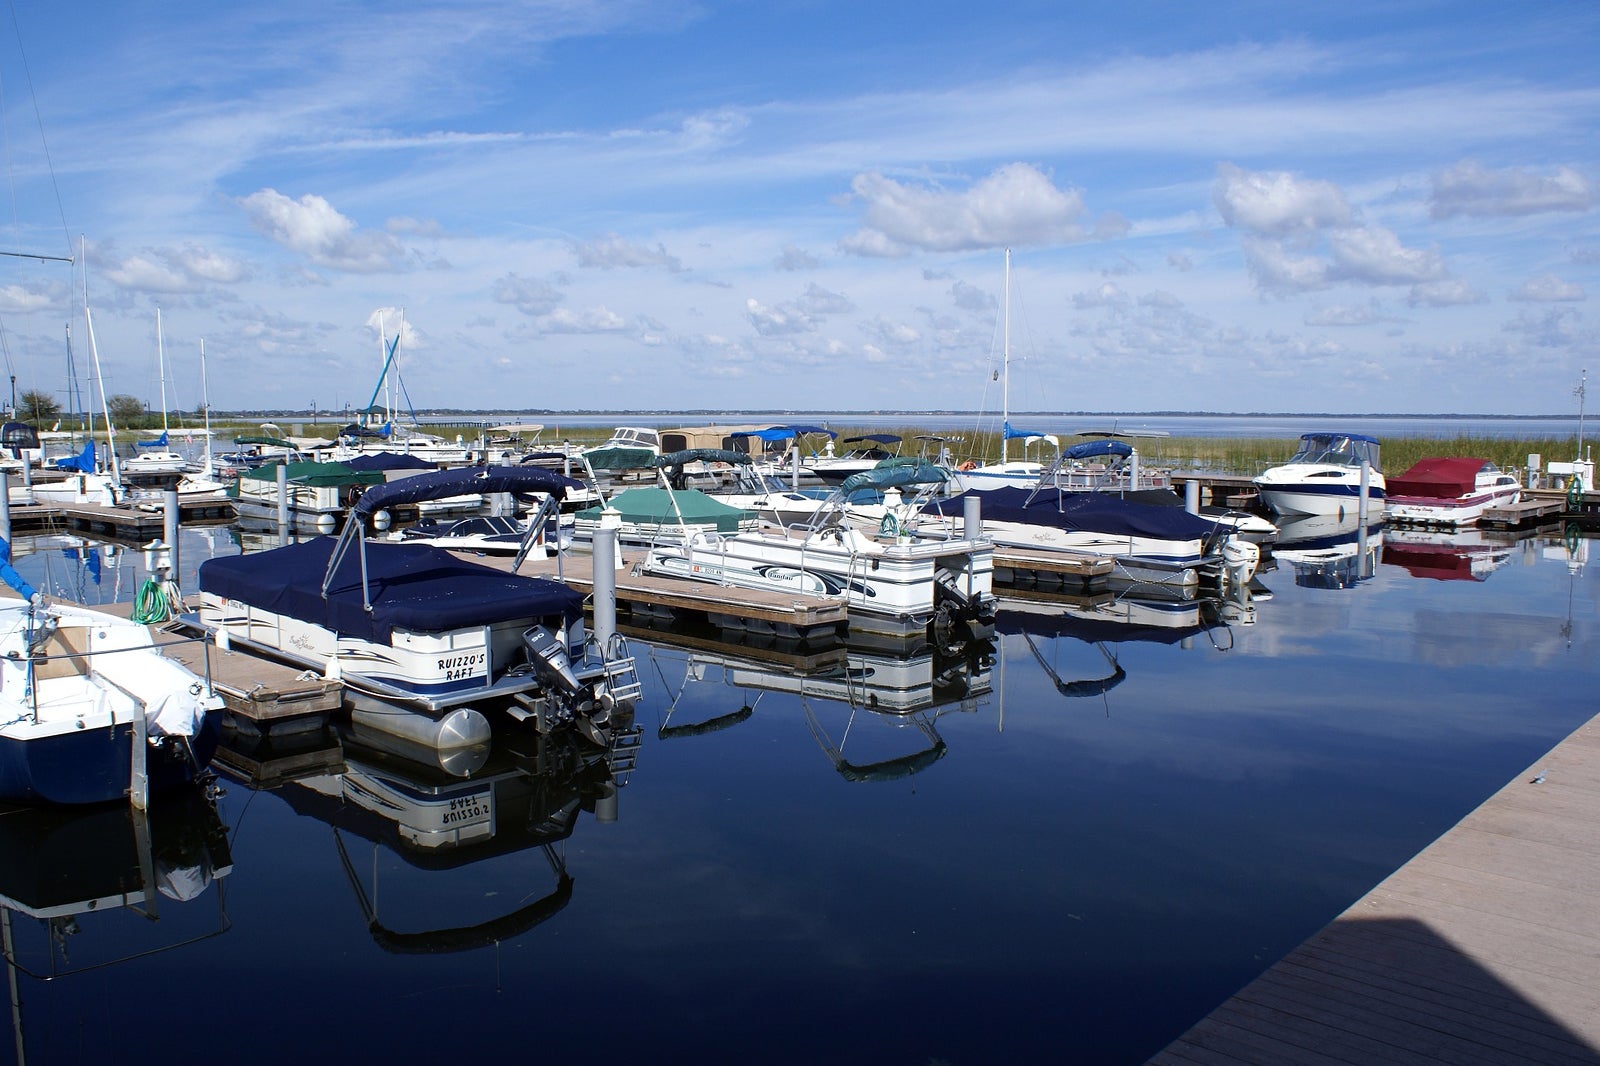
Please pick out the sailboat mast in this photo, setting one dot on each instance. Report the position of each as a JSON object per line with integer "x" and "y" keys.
{"x": 205, "y": 397}
{"x": 1005, "y": 384}
{"x": 161, "y": 368}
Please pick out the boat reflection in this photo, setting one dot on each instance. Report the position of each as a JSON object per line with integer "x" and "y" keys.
{"x": 86, "y": 888}
{"x": 1456, "y": 555}
{"x": 1329, "y": 551}
{"x": 872, "y": 698}
{"x": 1056, "y": 629}
{"x": 428, "y": 822}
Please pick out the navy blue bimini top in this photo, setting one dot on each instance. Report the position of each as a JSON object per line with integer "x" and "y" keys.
{"x": 412, "y": 586}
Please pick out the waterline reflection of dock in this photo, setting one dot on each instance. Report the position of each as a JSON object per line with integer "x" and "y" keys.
{"x": 1485, "y": 947}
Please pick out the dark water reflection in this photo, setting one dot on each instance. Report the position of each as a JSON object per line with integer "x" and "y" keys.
{"x": 1068, "y": 844}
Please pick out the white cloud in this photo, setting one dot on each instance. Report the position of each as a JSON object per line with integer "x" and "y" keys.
{"x": 1015, "y": 206}
{"x": 1446, "y": 292}
{"x": 611, "y": 252}
{"x": 1344, "y": 315}
{"x": 1547, "y": 288}
{"x": 1469, "y": 188}
{"x": 1375, "y": 255}
{"x": 312, "y": 227}
{"x": 777, "y": 321}
{"x": 1106, "y": 295}
{"x": 592, "y": 320}
{"x": 1277, "y": 204}
{"x": 19, "y": 299}
{"x": 794, "y": 258}
{"x": 531, "y": 296}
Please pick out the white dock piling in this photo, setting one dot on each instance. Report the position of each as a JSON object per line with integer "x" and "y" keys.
{"x": 605, "y": 584}
{"x": 971, "y": 517}
{"x": 169, "y": 526}
{"x": 283, "y": 494}
{"x": 1191, "y": 496}
{"x": 5, "y": 506}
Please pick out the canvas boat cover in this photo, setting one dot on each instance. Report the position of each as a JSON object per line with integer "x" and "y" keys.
{"x": 309, "y": 472}
{"x": 702, "y": 455}
{"x": 388, "y": 461}
{"x": 654, "y": 506}
{"x": 1439, "y": 479}
{"x": 442, "y": 484}
{"x": 892, "y": 473}
{"x": 620, "y": 458}
{"x": 1089, "y": 512}
{"x": 1094, "y": 449}
{"x": 412, "y": 586}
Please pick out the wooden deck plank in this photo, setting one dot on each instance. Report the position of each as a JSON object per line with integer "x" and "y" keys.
{"x": 1485, "y": 947}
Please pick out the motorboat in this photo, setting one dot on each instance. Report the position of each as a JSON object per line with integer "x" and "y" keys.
{"x": 636, "y": 489}
{"x": 869, "y": 450}
{"x": 1148, "y": 544}
{"x": 315, "y": 497}
{"x": 91, "y": 710}
{"x": 481, "y": 534}
{"x": 894, "y": 583}
{"x": 1449, "y": 492}
{"x": 1326, "y": 476}
{"x": 417, "y": 633}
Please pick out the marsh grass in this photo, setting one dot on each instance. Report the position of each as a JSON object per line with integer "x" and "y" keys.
{"x": 1222, "y": 455}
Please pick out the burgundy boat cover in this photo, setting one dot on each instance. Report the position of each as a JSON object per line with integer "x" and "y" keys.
{"x": 1442, "y": 479}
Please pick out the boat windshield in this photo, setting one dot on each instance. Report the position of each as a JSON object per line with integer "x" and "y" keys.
{"x": 1337, "y": 449}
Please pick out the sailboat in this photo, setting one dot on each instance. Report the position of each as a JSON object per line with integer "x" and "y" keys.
{"x": 88, "y": 482}
{"x": 156, "y": 456}
{"x": 1008, "y": 472}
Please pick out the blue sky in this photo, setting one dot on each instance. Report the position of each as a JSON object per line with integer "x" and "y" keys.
{"x": 805, "y": 204}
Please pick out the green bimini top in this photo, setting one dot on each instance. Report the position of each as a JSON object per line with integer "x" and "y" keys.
{"x": 653, "y": 506}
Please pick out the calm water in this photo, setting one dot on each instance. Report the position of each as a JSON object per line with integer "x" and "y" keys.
{"x": 1066, "y": 846}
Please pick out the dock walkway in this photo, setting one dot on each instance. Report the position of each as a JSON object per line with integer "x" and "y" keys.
{"x": 1484, "y": 948}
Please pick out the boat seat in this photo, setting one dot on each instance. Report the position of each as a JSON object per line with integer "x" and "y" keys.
{"x": 66, "y": 652}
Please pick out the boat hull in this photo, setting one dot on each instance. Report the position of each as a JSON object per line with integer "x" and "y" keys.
{"x": 92, "y": 765}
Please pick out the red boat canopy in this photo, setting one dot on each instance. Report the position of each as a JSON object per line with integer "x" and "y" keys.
{"x": 1442, "y": 479}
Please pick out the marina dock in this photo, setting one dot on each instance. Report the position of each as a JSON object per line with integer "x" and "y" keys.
{"x": 793, "y": 614}
{"x": 1484, "y": 948}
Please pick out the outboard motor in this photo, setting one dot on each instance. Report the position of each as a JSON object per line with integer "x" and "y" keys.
{"x": 548, "y": 654}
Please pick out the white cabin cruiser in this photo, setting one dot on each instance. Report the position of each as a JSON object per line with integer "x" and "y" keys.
{"x": 1324, "y": 477}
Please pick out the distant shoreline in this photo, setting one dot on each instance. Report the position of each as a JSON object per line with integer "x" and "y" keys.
{"x": 450, "y": 412}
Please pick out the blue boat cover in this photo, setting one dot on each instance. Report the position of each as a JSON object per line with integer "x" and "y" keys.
{"x": 159, "y": 442}
{"x": 412, "y": 586}
{"x": 877, "y": 438}
{"x": 83, "y": 462}
{"x": 1012, "y": 433}
{"x": 1093, "y": 449}
{"x": 484, "y": 480}
{"x": 1089, "y": 512}
{"x": 388, "y": 461}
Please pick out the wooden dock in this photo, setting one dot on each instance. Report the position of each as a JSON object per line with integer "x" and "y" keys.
{"x": 1065, "y": 570}
{"x": 129, "y": 524}
{"x": 791, "y": 613}
{"x": 1485, "y": 948}
{"x": 260, "y": 694}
